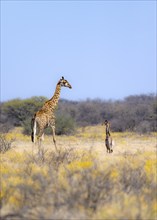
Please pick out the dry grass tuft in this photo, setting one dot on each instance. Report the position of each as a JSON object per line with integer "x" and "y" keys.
{"x": 80, "y": 181}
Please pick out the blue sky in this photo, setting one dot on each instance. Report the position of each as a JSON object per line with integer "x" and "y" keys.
{"x": 105, "y": 49}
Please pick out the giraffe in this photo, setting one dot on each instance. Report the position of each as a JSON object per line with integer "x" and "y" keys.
{"x": 108, "y": 141}
{"x": 45, "y": 117}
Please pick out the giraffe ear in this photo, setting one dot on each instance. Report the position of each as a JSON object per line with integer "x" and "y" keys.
{"x": 62, "y": 77}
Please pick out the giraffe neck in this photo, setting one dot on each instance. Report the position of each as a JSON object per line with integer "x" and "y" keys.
{"x": 107, "y": 131}
{"x": 55, "y": 98}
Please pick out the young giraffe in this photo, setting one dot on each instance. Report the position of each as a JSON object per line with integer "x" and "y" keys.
{"x": 108, "y": 140}
{"x": 45, "y": 116}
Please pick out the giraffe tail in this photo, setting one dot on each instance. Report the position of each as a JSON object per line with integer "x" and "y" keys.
{"x": 33, "y": 126}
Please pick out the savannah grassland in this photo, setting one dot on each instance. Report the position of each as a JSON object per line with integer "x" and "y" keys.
{"x": 80, "y": 180}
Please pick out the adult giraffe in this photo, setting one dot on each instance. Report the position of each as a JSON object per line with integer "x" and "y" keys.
{"x": 45, "y": 117}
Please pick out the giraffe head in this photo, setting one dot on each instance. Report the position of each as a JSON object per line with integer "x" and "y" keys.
{"x": 106, "y": 122}
{"x": 63, "y": 82}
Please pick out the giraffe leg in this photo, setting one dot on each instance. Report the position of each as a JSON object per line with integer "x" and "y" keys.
{"x": 40, "y": 137}
{"x": 54, "y": 138}
{"x": 107, "y": 145}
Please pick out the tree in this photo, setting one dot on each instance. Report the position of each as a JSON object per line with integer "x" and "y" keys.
{"x": 134, "y": 113}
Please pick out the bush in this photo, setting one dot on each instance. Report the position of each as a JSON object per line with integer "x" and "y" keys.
{"x": 17, "y": 111}
{"x": 27, "y": 126}
{"x": 5, "y": 144}
{"x": 65, "y": 125}
{"x": 144, "y": 127}
{"x": 124, "y": 115}
{"x": 75, "y": 185}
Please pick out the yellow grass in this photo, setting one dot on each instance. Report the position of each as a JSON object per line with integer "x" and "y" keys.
{"x": 81, "y": 180}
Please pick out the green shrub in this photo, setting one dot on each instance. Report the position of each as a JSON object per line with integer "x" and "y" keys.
{"x": 27, "y": 126}
{"x": 65, "y": 125}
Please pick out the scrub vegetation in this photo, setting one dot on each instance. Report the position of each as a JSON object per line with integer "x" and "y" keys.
{"x": 134, "y": 113}
{"x": 80, "y": 181}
